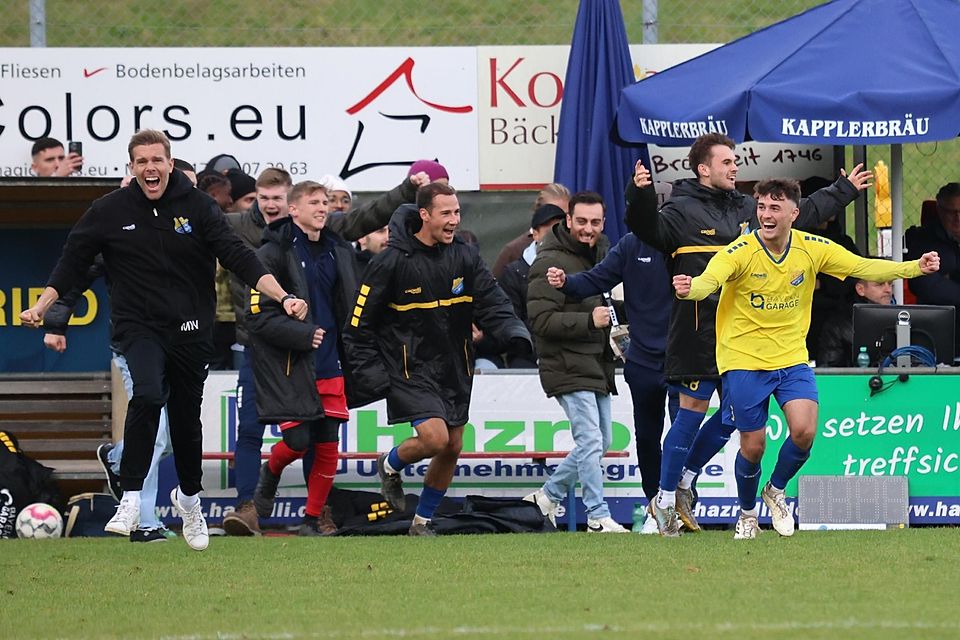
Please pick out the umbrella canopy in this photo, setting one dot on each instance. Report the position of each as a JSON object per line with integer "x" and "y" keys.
{"x": 847, "y": 72}
{"x": 599, "y": 68}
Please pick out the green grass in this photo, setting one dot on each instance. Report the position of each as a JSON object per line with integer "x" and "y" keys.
{"x": 118, "y": 23}
{"x": 889, "y": 584}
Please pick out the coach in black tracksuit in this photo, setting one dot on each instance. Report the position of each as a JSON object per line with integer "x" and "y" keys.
{"x": 160, "y": 239}
{"x": 409, "y": 339}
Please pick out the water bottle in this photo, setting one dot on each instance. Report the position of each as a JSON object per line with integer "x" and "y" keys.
{"x": 639, "y": 515}
{"x": 863, "y": 358}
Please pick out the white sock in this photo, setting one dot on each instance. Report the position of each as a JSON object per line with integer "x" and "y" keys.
{"x": 773, "y": 488}
{"x": 749, "y": 512}
{"x": 686, "y": 480}
{"x": 388, "y": 468}
{"x": 417, "y": 519}
{"x": 666, "y": 499}
{"x": 187, "y": 502}
{"x": 131, "y": 496}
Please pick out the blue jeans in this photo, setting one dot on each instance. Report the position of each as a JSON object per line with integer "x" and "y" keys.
{"x": 161, "y": 449}
{"x": 592, "y": 429}
{"x": 246, "y": 461}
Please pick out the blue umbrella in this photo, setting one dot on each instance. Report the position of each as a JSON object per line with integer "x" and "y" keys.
{"x": 599, "y": 68}
{"x": 846, "y": 72}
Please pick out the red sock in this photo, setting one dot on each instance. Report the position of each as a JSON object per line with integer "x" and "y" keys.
{"x": 280, "y": 456}
{"x": 321, "y": 476}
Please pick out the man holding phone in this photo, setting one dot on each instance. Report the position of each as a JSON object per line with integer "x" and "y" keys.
{"x": 49, "y": 161}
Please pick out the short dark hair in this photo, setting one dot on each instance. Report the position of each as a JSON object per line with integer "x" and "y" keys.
{"x": 148, "y": 136}
{"x": 948, "y": 191}
{"x": 208, "y": 179}
{"x": 183, "y": 165}
{"x": 586, "y": 197}
{"x": 274, "y": 177}
{"x": 43, "y": 144}
{"x": 778, "y": 189}
{"x": 305, "y": 188}
{"x": 427, "y": 193}
{"x": 701, "y": 149}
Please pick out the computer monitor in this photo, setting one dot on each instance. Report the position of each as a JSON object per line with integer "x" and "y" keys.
{"x": 931, "y": 327}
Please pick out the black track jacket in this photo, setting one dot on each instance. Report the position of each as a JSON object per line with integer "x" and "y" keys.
{"x": 693, "y": 225}
{"x": 283, "y": 354}
{"x": 161, "y": 256}
{"x": 413, "y": 313}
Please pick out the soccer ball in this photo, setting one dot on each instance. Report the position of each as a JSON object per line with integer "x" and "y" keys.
{"x": 39, "y": 520}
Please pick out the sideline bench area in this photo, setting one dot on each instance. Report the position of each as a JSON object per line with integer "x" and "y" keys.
{"x": 59, "y": 419}
{"x": 538, "y": 457}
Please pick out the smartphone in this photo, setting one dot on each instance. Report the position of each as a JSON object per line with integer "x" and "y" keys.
{"x": 75, "y": 147}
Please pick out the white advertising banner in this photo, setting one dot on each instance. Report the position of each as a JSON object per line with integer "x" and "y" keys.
{"x": 363, "y": 113}
{"x": 489, "y": 114}
{"x": 508, "y": 413}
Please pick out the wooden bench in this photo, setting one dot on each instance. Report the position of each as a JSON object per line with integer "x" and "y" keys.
{"x": 59, "y": 419}
{"x": 538, "y": 457}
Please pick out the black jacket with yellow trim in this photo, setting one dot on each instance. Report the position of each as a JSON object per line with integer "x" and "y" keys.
{"x": 693, "y": 225}
{"x": 283, "y": 356}
{"x": 413, "y": 313}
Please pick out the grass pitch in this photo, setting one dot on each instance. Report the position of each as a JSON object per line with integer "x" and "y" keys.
{"x": 886, "y": 584}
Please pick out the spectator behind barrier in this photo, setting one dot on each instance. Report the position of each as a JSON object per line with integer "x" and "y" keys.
{"x": 940, "y": 234}
{"x": 49, "y": 161}
{"x": 513, "y": 281}
{"x": 243, "y": 190}
{"x": 553, "y": 193}
{"x": 836, "y": 339}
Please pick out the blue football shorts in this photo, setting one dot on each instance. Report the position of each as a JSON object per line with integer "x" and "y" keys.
{"x": 699, "y": 389}
{"x": 746, "y": 394}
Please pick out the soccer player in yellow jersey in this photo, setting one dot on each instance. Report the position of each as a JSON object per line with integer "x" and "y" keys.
{"x": 767, "y": 281}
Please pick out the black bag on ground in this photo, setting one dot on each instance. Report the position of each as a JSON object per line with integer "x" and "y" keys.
{"x": 87, "y": 514}
{"x": 478, "y": 514}
{"x": 23, "y": 481}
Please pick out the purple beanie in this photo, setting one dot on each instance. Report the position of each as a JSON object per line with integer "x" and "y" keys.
{"x": 431, "y": 167}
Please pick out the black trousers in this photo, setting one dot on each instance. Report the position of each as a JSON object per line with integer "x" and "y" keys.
{"x": 171, "y": 375}
{"x": 648, "y": 388}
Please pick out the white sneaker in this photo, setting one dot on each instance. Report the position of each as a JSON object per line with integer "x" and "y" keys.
{"x": 194, "y": 525}
{"x": 126, "y": 519}
{"x": 747, "y": 528}
{"x": 780, "y": 513}
{"x": 605, "y": 525}
{"x": 649, "y": 526}
{"x": 547, "y": 506}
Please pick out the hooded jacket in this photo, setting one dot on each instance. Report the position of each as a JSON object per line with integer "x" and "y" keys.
{"x": 693, "y": 225}
{"x": 413, "y": 314}
{"x": 161, "y": 256}
{"x": 364, "y": 218}
{"x": 574, "y": 354}
{"x": 283, "y": 354}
